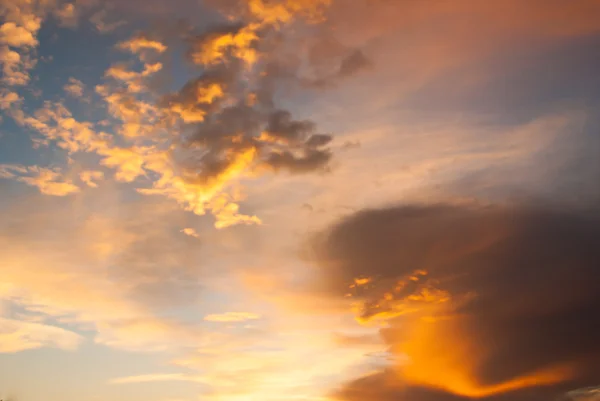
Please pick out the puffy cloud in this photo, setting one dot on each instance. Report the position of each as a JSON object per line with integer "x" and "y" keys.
{"x": 478, "y": 301}
{"x": 55, "y": 123}
{"x": 18, "y": 36}
{"x": 214, "y": 46}
{"x": 227, "y": 125}
{"x": 140, "y": 43}
{"x": 68, "y": 14}
{"x": 22, "y": 21}
{"x": 8, "y": 99}
{"x": 14, "y": 71}
{"x": 74, "y": 87}
{"x": 91, "y": 177}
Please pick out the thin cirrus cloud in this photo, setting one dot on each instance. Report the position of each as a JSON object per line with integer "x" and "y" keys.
{"x": 17, "y": 335}
{"x": 231, "y": 317}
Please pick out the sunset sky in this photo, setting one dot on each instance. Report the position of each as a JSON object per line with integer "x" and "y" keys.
{"x": 299, "y": 200}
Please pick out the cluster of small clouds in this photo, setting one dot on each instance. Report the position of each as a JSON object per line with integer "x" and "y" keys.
{"x": 452, "y": 293}
{"x": 221, "y": 127}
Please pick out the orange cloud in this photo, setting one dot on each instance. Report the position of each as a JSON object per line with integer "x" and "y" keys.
{"x": 8, "y": 99}
{"x": 18, "y": 36}
{"x": 135, "y": 45}
{"x": 440, "y": 355}
{"x": 214, "y": 47}
{"x": 141, "y": 144}
{"x": 91, "y": 177}
{"x": 486, "y": 311}
{"x": 48, "y": 181}
{"x": 190, "y": 232}
{"x": 74, "y": 87}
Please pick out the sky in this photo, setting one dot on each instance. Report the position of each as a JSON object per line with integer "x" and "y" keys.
{"x": 310, "y": 200}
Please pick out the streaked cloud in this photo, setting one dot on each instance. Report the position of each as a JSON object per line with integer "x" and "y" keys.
{"x": 229, "y": 317}
{"x": 103, "y": 22}
{"x": 49, "y": 181}
{"x": 155, "y": 378}
{"x": 17, "y": 335}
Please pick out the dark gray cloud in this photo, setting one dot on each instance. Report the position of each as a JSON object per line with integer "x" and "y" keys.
{"x": 247, "y": 115}
{"x": 523, "y": 286}
{"x": 281, "y": 125}
{"x": 353, "y": 63}
{"x": 309, "y": 160}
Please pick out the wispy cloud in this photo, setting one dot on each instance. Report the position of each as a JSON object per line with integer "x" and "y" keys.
{"x": 17, "y": 335}
{"x": 230, "y": 317}
{"x": 156, "y": 378}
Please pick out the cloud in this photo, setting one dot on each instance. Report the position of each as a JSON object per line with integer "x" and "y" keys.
{"x": 99, "y": 20}
{"x": 225, "y": 126}
{"x": 14, "y": 67}
{"x": 68, "y": 14}
{"x": 16, "y": 336}
{"x": 229, "y": 317}
{"x": 8, "y": 99}
{"x": 483, "y": 58}
{"x": 22, "y": 21}
{"x": 74, "y": 88}
{"x": 49, "y": 181}
{"x": 91, "y": 177}
{"x": 190, "y": 232}
{"x": 18, "y": 36}
{"x": 479, "y": 301}
{"x": 140, "y": 43}
{"x": 112, "y": 270}
{"x": 584, "y": 394}
{"x": 155, "y": 378}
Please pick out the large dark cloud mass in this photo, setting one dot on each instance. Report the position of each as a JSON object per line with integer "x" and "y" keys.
{"x": 486, "y": 302}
